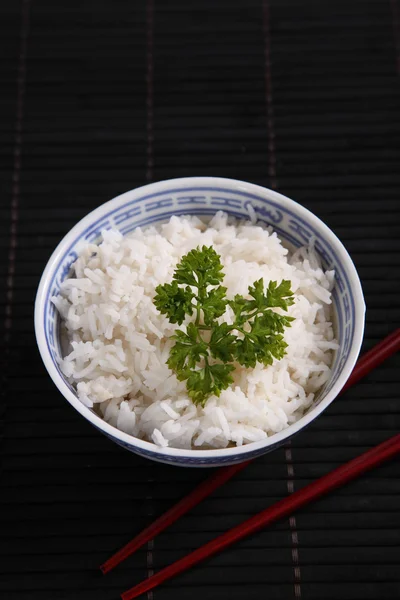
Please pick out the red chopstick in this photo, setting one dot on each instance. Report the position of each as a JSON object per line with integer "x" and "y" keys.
{"x": 374, "y": 357}
{"x": 180, "y": 508}
{"x": 283, "y": 508}
{"x": 365, "y": 364}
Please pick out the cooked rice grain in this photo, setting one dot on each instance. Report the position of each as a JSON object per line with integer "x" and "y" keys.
{"x": 119, "y": 342}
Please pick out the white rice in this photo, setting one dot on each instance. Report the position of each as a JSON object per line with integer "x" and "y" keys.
{"x": 119, "y": 342}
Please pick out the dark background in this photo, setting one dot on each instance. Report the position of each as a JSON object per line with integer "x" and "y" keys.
{"x": 100, "y": 97}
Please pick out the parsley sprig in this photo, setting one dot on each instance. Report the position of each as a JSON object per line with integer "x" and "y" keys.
{"x": 204, "y": 354}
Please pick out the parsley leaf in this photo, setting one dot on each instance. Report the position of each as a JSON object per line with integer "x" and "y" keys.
{"x": 200, "y": 268}
{"x": 275, "y": 297}
{"x": 204, "y": 354}
{"x": 208, "y": 381}
{"x": 214, "y": 304}
{"x": 222, "y": 343}
{"x": 174, "y": 301}
{"x": 278, "y": 296}
{"x": 187, "y": 351}
{"x": 261, "y": 344}
{"x": 221, "y": 375}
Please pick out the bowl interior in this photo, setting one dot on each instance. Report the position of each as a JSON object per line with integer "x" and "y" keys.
{"x": 296, "y": 227}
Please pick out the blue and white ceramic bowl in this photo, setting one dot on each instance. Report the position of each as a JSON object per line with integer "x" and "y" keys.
{"x": 204, "y": 196}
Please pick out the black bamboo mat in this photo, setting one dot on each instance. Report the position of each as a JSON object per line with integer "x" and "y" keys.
{"x": 100, "y": 97}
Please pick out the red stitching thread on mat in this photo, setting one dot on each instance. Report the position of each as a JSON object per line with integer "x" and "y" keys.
{"x": 273, "y": 183}
{"x": 150, "y": 543}
{"x": 149, "y": 83}
{"x": 269, "y": 98}
{"x": 396, "y": 31}
{"x": 150, "y": 565}
{"x": 293, "y": 525}
{"x": 149, "y": 177}
{"x": 21, "y": 80}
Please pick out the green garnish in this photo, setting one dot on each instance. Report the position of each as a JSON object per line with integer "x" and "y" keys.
{"x": 204, "y": 354}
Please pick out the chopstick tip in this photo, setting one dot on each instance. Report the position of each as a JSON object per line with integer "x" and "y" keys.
{"x": 104, "y": 568}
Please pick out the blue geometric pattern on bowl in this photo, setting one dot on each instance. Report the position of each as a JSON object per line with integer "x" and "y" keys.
{"x": 206, "y": 201}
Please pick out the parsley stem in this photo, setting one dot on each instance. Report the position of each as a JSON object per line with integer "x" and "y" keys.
{"x": 241, "y": 330}
{"x": 201, "y": 289}
{"x": 251, "y": 315}
{"x": 254, "y": 313}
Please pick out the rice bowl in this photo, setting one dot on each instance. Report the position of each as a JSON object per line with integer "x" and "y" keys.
{"x": 119, "y": 342}
{"x": 222, "y": 436}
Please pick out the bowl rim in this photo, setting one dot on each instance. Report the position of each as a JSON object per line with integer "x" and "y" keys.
{"x": 213, "y": 454}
